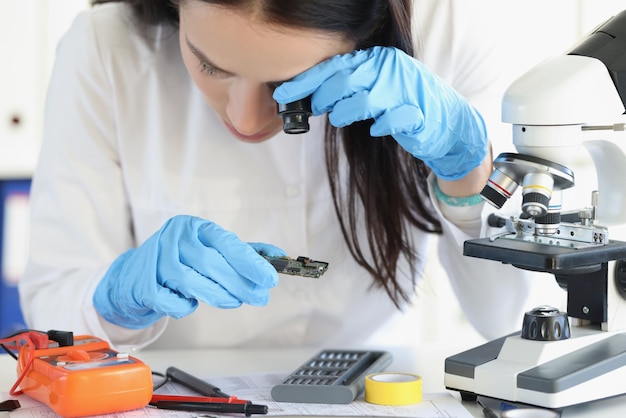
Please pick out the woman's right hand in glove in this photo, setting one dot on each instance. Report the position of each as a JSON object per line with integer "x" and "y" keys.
{"x": 188, "y": 260}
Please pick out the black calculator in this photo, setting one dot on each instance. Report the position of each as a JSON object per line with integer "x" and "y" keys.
{"x": 331, "y": 376}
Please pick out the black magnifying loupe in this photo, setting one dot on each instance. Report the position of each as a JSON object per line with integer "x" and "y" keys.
{"x": 296, "y": 115}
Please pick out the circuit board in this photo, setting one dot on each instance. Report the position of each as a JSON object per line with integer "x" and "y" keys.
{"x": 301, "y": 266}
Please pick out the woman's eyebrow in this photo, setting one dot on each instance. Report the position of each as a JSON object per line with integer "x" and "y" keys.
{"x": 200, "y": 55}
{"x": 203, "y": 59}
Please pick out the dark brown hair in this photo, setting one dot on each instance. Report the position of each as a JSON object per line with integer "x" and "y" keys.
{"x": 384, "y": 186}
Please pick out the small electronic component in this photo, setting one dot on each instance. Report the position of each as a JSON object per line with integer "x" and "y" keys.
{"x": 301, "y": 266}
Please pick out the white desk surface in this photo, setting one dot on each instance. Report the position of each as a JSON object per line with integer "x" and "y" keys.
{"x": 228, "y": 362}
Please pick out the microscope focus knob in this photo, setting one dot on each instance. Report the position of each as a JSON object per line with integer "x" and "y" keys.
{"x": 545, "y": 323}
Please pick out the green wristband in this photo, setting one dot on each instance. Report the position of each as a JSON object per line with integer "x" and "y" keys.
{"x": 472, "y": 200}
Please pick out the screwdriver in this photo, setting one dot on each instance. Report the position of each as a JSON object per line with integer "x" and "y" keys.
{"x": 487, "y": 412}
{"x": 247, "y": 408}
{"x": 192, "y": 382}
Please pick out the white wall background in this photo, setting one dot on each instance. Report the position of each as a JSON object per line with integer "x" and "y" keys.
{"x": 30, "y": 29}
{"x": 29, "y": 32}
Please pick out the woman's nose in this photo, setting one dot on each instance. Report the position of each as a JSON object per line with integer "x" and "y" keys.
{"x": 251, "y": 107}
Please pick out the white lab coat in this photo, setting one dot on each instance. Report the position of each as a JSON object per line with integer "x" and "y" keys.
{"x": 129, "y": 142}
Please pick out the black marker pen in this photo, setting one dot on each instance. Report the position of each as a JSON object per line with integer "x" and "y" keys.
{"x": 192, "y": 382}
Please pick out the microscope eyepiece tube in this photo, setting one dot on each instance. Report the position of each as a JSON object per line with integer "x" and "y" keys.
{"x": 296, "y": 116}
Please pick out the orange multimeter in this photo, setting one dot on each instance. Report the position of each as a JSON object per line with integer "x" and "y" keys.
{"x": 86, "y": 378}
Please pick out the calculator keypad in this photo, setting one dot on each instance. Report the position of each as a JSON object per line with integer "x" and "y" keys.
{"x": 331, "y": 376}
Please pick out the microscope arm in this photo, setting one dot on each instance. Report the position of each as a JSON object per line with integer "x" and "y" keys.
{"x": 609, "y": 160}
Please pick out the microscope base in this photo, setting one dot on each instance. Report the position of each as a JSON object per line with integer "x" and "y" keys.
{"x": 551, "y": 374}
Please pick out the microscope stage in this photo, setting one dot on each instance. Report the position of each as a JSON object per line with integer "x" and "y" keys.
{"x": 541, "y": 257}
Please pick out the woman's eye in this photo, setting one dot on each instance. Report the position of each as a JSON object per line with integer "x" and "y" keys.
{"x": 210, "y": 70}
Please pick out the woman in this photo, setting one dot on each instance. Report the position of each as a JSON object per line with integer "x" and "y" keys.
{"x": 162, "y": 136}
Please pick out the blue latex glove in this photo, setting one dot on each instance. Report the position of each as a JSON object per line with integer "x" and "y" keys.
{"x": 188, "y": 260}
{"x": 419, "y": 110}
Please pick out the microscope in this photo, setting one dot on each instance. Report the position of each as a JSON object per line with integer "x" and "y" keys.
{"x": 564, "y": 106}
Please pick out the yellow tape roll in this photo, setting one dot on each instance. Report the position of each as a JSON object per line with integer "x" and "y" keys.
{"x": 393, "y": 388}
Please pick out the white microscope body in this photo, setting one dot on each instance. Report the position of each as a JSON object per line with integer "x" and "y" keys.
{"x": 563, "y": 104}
{"x": 558, "y": 109}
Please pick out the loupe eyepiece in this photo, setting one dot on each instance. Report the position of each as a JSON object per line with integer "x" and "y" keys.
{"x": 296, "y": 115}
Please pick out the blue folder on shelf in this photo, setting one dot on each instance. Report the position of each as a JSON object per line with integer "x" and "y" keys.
{"x": 14, "y": 194}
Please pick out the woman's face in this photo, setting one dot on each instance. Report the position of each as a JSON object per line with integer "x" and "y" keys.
{"x": 237, "y": 60}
